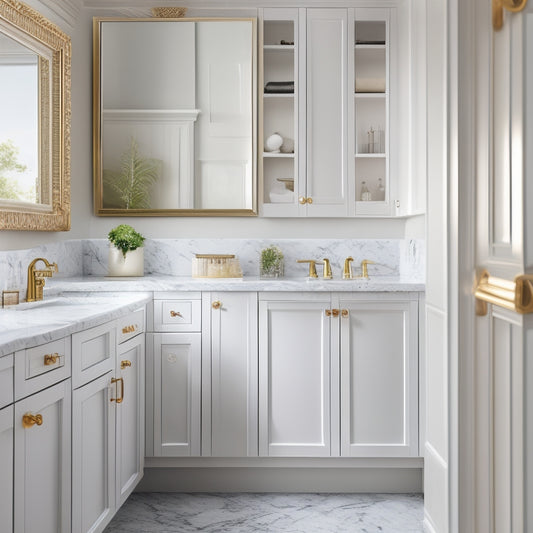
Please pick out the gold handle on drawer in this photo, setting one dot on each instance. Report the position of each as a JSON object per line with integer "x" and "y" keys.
{"x": 328, "y": 312}
{"x": 124, "y": 364}
{"x": 115, "y": 381}
{"x": 216, "y": 305}
{"x": 29, "y": 420}
{"x": 335, "y": 312}
{"x": 176, "y": 313}
{"x": 309, "y": 200}
{"x": 51, "y": 359}
{"x": 129, "y": 329}
{"x": 302, "y": 200}
{"x": 345, "y": 313}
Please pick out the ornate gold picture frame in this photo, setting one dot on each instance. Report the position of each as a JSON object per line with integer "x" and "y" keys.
{"x": 53, "y": 47}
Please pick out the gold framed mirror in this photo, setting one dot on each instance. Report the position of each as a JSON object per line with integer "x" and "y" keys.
{"x": 35, "y": 60}
{"x": 174, "y": 124}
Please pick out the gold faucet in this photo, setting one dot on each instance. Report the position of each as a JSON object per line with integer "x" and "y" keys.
{"x": 327, "y": 269}
{"x": 312, "y": 267}
{"x": 347, "y": 270}
{"x": 364, "y": 269}
{"x": 36, "y": 279}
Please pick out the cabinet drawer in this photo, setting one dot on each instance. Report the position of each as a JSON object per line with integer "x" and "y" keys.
{"x": 6, "y": 380}
{"x": 130, "y": 326}
{"x": 177, "y": 315}
{"x": 93, "y": 353}
{"x": 39, "y": 367}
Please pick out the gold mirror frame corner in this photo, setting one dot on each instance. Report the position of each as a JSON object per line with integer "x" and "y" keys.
{"x": 38, "y": 28}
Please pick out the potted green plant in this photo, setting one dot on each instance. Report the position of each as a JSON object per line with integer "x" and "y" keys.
{"x": 271, "y": 265}
{"x": 126, "y": 252}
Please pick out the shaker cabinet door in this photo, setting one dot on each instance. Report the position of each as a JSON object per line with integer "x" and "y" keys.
{"x": 295, "y": 385}
{"x": 130, "y": 418}
{"x": 379, "y": 378}
{"x": 176, "y": 393}
{"x": 93, "y": 455}
{"x": 229, "y": 375}
{"x": 6, "y": 467}
{"x": 43, "y": 461}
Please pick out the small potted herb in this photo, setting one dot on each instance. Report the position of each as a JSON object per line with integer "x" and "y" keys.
{"x": 271, "y": 262}
{"x": 126, "y": 252}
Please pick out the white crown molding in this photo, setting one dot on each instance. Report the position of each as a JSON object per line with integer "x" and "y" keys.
{"x": 143, "y": 6}
{"x": 68, "y": 11}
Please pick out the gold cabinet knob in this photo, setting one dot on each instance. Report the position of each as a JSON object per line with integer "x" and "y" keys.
{"x": 128, "y": 329}
{"x": 328, "y": 312}
{"x": 124, "y": 364}
{"x": 309, "y": 200}
{"x": 29, "y": 420}
{"x": 345, "y": 313}
{"x": 51, "y": 359}
{"x": 216, "y": 304}
{"x": 302, "y": 200}
{"x": 176, "y": 313}
{"x": 335, "y": 312}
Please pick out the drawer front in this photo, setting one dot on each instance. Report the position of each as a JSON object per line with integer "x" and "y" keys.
{"x": 6, "y": 380}
{"x": 93, "y": 353}
{"x": 130, "y": 326}
{"x": 39, "y": 367}
{"x": 177, "y": 315}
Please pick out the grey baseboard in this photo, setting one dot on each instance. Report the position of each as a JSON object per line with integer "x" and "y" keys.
{"x": 286, "y": 479}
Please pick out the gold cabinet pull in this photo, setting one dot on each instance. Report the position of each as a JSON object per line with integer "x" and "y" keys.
{"x": 309, "y": 200}
{"x": 345, "y": 313}
{"x": 175, "y": 314}
{"x": 328, "y": 312}
{"x": 216, "y": 305}
{"x": 302, "y": 200}
{"x": 29, "y": 420}
{"x": 115, "y": 381}
{"x": 129, "y": 329}
{"x": 51, "y": 359}
{"x": 335, "y": 312}
{"x": 124, "y": 364}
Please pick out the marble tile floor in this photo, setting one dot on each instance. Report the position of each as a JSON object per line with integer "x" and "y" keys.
{"x": 272, "y": 513}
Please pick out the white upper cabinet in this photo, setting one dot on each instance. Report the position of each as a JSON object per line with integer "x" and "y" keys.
{"x": 340, "y": 89}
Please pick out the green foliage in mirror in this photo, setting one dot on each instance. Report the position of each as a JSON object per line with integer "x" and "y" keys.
{"x": 9, "y": 165}
{"x": 130, "y": 187}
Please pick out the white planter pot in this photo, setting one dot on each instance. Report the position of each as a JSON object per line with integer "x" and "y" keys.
{"x": 131, "y": 265}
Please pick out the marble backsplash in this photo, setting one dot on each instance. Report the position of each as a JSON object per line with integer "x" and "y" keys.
{"x": 88, "y": 257}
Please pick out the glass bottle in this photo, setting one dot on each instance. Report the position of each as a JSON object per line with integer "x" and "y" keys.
{"x": 366, "y": 196}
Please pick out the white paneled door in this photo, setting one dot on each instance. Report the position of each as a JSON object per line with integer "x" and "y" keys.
{"x": 479, "y": 372}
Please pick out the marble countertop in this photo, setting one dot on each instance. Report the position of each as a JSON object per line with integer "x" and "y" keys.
{"x": 77, "y": 303}
{"x": 32, "y": 324}
{"x": 157, "y": 283}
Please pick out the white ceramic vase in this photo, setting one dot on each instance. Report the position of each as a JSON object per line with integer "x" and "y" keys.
{"x": 131, "y": 265}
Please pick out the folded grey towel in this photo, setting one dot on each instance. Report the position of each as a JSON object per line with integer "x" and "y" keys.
{"x": 279, "y": 87}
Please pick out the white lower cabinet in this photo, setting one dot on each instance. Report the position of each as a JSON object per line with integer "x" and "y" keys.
{"x": 42, "y": 473}
{"x": 93, "y": 458}
{"x": 298, "y": 378}
{"x": 176, "y": 359}
{"x": 108, "y": 427}
{"x": 229, "y": 374}
{"x": 130, "y": 418}
{"x": 379, "y": 375}
{"x": 338, "y": 374}
{"x": 6, "y": 467}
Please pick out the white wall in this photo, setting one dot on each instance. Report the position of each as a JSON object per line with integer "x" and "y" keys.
{"x": 86, "y": 225}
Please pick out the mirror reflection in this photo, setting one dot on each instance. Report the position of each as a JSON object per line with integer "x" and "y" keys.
{"x": 19, "y": 125}
{"x": 176, "y": 121}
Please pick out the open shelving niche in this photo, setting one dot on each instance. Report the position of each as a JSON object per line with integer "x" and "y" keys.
{"x": 371, "y": 112}
{"x": 280, "y": 111}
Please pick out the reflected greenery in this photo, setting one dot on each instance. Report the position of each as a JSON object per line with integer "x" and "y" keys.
{"x": 10, "y": 188}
